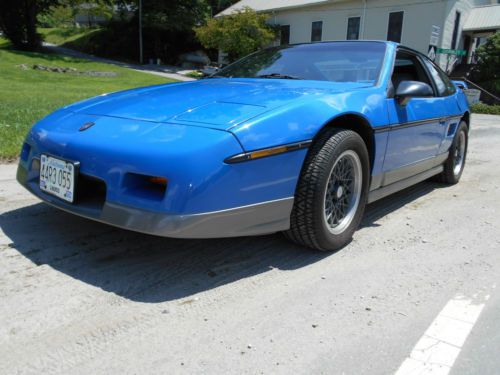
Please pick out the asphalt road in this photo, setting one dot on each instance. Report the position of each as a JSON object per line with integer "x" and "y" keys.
{"x": 416, "y": 292}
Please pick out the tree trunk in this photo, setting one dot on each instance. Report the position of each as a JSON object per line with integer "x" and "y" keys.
{"x": 18, "y": 21}
{"x": 33, "y": 41}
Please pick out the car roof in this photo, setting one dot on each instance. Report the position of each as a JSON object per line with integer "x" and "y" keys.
{"x": 350, "y": 41}
{"x": 387, "y": 42}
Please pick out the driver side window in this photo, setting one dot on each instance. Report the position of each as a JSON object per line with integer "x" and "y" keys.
{"x": 444, "y": 86}
{"x": 408, "y": 68}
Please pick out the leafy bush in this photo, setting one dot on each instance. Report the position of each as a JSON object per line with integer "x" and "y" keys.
{"x": 194, "y": 74}
{"x": 237, "y": 34}
{"x": 487, "y": 71}
{"x": 57, "y": 16}
{"x": 485, "y": 109}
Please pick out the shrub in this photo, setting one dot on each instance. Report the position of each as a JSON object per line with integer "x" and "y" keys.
{"x": 237, "y": 34}
{"x": 485, "y": 109}
{"x": 194, "y": 74}
{"x": 487, "y": 72}
{"x": 57, "y": 16}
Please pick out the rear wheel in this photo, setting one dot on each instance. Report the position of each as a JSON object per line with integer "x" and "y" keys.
{"x": 454, "y": 165}
{"x": 331, "y": 192}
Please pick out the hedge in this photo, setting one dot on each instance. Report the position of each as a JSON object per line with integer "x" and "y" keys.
{"x": 485, "y": 109}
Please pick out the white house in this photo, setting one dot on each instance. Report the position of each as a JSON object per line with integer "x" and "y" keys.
{"x": 425, "y": 25}
{"x": 92, "y": 14}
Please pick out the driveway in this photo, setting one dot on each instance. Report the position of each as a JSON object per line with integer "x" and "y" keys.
{"x": 416, "y": 290}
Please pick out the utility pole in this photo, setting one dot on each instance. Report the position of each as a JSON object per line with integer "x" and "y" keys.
{"x": 364, "y": 20}
{"x": 140, "y": 32}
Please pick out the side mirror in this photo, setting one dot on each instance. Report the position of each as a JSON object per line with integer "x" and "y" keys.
{"x": 412, "y": 89}
{"x": 461, "y": 84}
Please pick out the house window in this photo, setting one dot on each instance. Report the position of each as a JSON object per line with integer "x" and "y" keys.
{"x": 284, "y": 34}
{"x": 316, "y": 31}
{"x": 395, "y": 27}
{"x": 455, "y": 31}
{"x": 353, "y": 28}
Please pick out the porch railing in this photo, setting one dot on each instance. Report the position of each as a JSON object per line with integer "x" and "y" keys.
{"x": 476, "y": 86}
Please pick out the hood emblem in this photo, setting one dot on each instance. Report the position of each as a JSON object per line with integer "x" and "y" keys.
{"x": 86, "y": 126}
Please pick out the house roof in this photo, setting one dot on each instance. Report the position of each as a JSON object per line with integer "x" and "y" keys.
{"x": 267, "y": 5}
{"x": 483, "y": 18}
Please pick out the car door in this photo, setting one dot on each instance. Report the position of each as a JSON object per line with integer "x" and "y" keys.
{"x": 447, "y": 91}
{"x": 416, "y": 128}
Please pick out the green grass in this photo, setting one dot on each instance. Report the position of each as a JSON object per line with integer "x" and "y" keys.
{"x": 60, "y": 36}
{"x": 112, "y": 41}
{"x": 485, "y": 109}
{"x": 28, "y": 95}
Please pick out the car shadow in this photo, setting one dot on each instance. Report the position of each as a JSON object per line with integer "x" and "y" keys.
{"x": 152, "y": 269}
{"x": 391, "y": 203}
{"x": 141, "y": 267}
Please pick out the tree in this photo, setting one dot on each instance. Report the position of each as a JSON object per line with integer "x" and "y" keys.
{"x": 18, "y": 21}
{"x": 487, "y": 72}
{"x": 217, "y": 6}
{"x": 237, "y": 34}
{"x": 91, "y": 9}
{"x": 95, "y": 9}
{"x": 173, "y": 15}
{"x": 168, "y": 26}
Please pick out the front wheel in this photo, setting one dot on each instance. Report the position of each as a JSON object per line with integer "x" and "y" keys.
{"x": 331, "y": 192}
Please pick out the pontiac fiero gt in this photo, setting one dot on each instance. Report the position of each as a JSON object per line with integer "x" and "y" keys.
{"x": 294, "y": 138}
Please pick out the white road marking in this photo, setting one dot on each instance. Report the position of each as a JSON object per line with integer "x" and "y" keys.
{"x": 439, "y": 347}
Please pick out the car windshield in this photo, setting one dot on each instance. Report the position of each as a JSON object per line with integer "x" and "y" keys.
{"x": 337, "y": 62}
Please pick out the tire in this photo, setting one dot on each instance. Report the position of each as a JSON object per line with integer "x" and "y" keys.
{"x": 454, "y": 165}
{"x": 327, "y": 209}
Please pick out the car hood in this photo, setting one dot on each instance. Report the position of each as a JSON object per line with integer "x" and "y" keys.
{"x": 216, "y": 103}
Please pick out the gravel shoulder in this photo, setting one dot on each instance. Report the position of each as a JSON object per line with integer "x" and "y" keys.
{"x": 83, "y": 297}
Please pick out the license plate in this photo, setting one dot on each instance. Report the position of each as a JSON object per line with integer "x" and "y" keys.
{"x": 57, "y": 177}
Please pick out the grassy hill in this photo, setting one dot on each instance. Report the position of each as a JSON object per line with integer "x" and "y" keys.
{"x": 118, "y": 42}
{"x": 27, "y": 95}
{"x": 60, "y": 36}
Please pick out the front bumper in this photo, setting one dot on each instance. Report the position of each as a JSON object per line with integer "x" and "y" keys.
{"x": 256, "y": 219}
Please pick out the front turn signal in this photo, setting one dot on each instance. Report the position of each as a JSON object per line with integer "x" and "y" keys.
{"x": 258, "y": 154}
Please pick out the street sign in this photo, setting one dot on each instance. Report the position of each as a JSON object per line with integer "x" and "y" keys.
{"x": 435, "y": 31}
{"x": 458, "y": 52}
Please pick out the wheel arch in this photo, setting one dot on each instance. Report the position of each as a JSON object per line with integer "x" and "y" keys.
{"x": 357, "y": 123}
{"x": 466, "y": 118}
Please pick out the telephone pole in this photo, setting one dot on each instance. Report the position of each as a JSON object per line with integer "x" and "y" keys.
{"x": 140, "y": 32}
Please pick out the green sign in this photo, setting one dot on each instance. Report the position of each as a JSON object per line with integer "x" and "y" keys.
{"x": 458, "y": 52}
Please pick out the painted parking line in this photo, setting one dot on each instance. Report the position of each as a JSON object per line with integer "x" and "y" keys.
{"x": 439, "y": 347}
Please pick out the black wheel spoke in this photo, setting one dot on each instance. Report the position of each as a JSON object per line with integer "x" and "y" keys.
{"x": 340, "y": 192}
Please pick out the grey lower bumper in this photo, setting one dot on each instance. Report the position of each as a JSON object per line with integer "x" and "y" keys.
{"x": 262, "y": 218}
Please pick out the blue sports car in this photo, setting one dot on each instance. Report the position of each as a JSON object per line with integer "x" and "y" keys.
{"x": 294, "y": 138}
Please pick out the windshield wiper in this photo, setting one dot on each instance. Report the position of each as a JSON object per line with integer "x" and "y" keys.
{"x": 277, "y": 76}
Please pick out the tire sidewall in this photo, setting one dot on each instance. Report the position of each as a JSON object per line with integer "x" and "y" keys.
{"x": 327, "y": 239}
{"x": 462, "y": 127}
